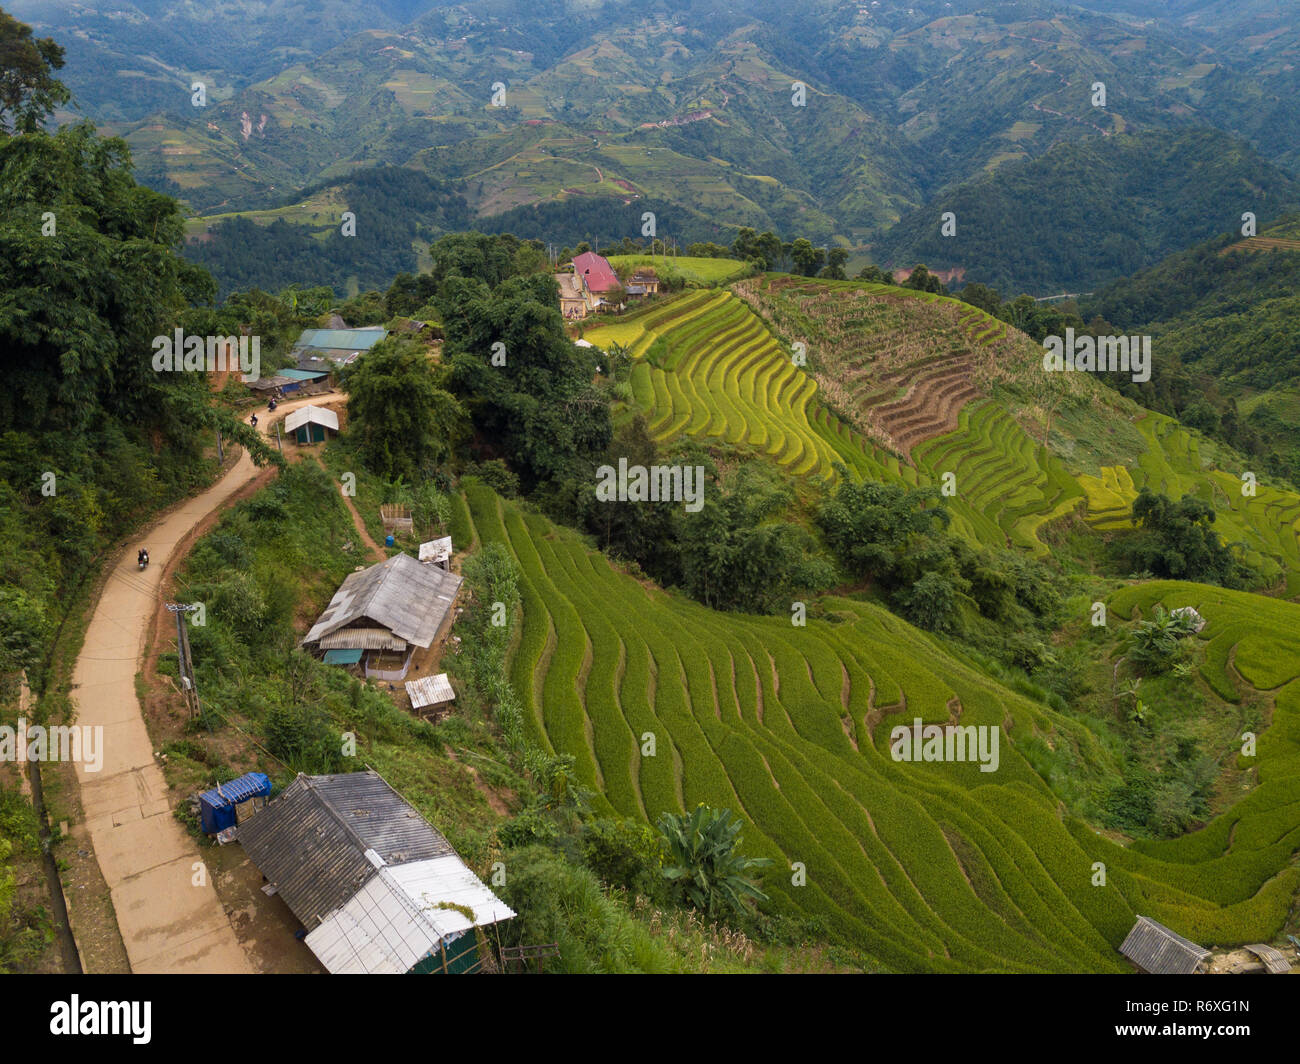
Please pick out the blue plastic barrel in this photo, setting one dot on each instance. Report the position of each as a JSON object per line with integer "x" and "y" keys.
{"x": 389, "y": 541}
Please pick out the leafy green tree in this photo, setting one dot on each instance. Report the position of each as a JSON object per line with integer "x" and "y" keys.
{"x": 404, "y": 421}
{"x": 807, "y": 259}
{"x": 1176, "y": 540}
{"x": 835, "y": 260}
{"x": 29, "y": 92}
{"x": 1155, "y": 645}
{"x": 923, "y": 280}
{"x": 987, "y": 299}
{"x": 736, "y": 554}
{"x": 931, "y": 603}
{"x": 873, "y": 273}
{"x": 705, "y": 863}
{"x": 528, "y": 390}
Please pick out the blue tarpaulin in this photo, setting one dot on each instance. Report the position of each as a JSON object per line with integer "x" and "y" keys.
{"x": 217, "y": 806}
{"x": 348, "y": 656}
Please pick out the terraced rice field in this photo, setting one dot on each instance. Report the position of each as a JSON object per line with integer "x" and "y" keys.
{"x": 929, "y": 867}
{"x": 901, "y": 364}
{"x": 719, "y": 373}
{"x": 1009, "y": 486}
{"x": 1267, "y": 524}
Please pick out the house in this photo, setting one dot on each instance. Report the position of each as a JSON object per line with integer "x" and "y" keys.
{"x": 644, "y": 282}
{"x": 331, "y": 349}
{"x": 431, "y": 696}
{"x": 386, "y": 612}
{"x": 597, "y": 280}
{"x": 1156, "y": 949}
{"x": 378, "y": 889}
{"x": 309, "y": 424}
{"x": 573, "y": 301}
{"x": 295, "y": 382}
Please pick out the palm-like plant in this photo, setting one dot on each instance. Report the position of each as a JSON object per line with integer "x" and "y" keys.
{"x": 703, "y": 860}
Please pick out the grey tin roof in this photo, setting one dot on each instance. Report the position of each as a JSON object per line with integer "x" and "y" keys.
{"x": 409, "y": 599}
{"x": 1154, "y": 948}
{"x": 311, "y": 842}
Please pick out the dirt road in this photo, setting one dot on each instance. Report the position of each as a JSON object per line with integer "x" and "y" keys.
{"x": 168, "y": 913}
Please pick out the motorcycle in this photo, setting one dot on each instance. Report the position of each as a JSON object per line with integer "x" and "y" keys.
{"x": 142, "y": 560}
{"x": 271, "y": 405}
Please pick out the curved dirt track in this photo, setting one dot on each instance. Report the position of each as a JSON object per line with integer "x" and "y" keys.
{"x": 168, "y": 913}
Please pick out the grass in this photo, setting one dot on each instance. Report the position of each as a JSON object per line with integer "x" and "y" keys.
{"x": 693, "y": 270}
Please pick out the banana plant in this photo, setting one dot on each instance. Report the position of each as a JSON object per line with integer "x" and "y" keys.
{"x": 702, "y": 847}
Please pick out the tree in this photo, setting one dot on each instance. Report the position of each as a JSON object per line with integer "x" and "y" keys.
{"x": 835, "y": 260}
{"x": 29, "y": 92}
{"x": 404, "y": 421}
{"x": 875, "y": 275}
{"x": 806, "y": 258}
{"x": 1157, "y": 644}
{"x": 704, "y": 862}
{"x": 987, "y": 299}
{"x": 528, "y": 390}
{"x": 923, "y": 280}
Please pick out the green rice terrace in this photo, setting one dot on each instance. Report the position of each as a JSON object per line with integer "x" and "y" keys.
{"x": 929, "y": 866}
{"x": 876, "y": 397}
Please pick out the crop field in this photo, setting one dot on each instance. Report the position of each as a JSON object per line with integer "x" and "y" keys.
{"x": 928, "y": 866}
{"x": 717, "y": 372}
{"x": 1266, "y": 523}
{"x": 694, "y": 270}
{"x": 1010, "y": 485}
{"x": 901, "y": 365}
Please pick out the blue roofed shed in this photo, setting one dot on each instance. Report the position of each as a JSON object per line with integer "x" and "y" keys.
{"x": 217, "y": 807}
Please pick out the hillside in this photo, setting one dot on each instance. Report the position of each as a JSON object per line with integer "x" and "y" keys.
{"x": 690, "y": 107}
{"x": 1083, "y": 214}
{"x": 933, "y": 867}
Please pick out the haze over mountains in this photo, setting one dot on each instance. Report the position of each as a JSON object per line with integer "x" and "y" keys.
{"x": 911, "y": 109}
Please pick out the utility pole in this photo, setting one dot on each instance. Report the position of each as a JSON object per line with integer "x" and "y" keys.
{"x": 189, "y": 686}
{"x": 221, "y": 454}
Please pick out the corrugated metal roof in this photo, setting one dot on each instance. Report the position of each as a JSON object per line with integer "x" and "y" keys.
{"x": 1273, "y": 959}
{"x": 350, "y": 339}
{"x": 409, "y": 599}
{"x": 311, "y": 842}
{"x": 315, "y": 415}
{"x": 304, "y": 374}
{"x": 436, "y": 550}
{"x": 1156, "y": 949}
{"x": 249, "y": 785}
{"x": 596, "y": 271}
{"x": 430, "y": 691}
{"x": 362, "y": 638}
{"x": 401, "y": 916}
{"x": 265, "y": 384}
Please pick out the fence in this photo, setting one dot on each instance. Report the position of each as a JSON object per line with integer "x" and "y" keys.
{"x": 388, "y": 674}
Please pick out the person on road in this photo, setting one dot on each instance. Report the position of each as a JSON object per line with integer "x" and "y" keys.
{"x": 142, "y": 558}
{"x": 253, "y": 421}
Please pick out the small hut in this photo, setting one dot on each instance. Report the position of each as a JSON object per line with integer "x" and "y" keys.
{"x": 437, "y": 552}
{"x": 431, "y": 696}
{"x": 308, "y": 424}
{"x": 1156, "y": 949}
